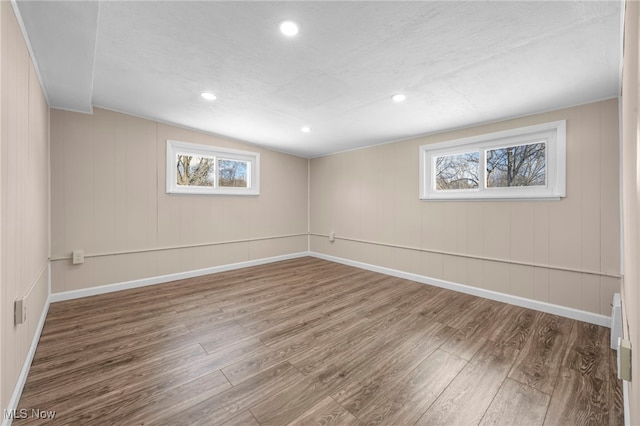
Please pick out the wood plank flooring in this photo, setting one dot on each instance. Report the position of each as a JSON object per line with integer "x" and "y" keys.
{"x": 308, "y": 341}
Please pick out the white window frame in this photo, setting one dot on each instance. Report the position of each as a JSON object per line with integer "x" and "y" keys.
{"x": 176, "y": 147}
{"x": 553, "y": 134}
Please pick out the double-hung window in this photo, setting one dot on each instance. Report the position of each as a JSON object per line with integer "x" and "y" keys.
{"x": 203, "y": 169}
{"x": 524, "y": 163}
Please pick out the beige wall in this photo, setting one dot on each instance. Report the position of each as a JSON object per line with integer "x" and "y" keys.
{"x": 371, "y": 195}
{"x": 631, "y": 200}
{"x": 24, "y": 199}
{"x": 108, "y": 197}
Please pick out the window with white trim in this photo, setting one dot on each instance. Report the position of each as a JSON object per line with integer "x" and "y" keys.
{"x": 523, "y": 163}
{"x": 203, "y": 169}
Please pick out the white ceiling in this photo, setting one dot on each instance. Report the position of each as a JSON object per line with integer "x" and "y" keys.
{"x": 459, "y": 63}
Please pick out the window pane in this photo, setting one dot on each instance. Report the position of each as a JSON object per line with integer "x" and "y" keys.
{"x": 195, "y": 171}
{"x": 232, "y": 173}
{"x": 459, "y": 171}
{"x": 523, "y": 165}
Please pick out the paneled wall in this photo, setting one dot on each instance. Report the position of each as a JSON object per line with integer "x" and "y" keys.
{"x": 24, "y": 199}
{"x": 631, "y": 200}
{"x": 108, "y": 198}
{"x": 563, "y": 252}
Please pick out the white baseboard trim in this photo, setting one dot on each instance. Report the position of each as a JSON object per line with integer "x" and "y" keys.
{"x": 109, "y": 288}
{"x": 562, "y": 311}
{"x": 22, "y": 378}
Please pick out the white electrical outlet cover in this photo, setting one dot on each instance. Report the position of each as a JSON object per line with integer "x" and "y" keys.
{"x": 78, "y": 257}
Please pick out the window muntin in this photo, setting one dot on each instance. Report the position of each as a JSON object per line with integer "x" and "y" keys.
{"x": 515, "y": 164}
{"x": 203, "y": 169}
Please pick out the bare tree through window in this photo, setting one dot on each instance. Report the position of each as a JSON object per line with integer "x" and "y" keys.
{"x": 458, "y": 171}
{"x": 522, "y": 165}
{"x": 232, "y": 173}
{"x": 203, "y": 169}
{"x": 195, "y": 171}
{"x": 514, "y": 164}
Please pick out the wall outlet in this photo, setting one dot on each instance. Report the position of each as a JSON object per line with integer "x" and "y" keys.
{"x": 78, "y": 257}
{"x": 19, "y": 311}
{"x": 332, "y": 236}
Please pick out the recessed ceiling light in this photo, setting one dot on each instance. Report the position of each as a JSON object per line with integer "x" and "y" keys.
{"x": 398, "y": 98}
{"x": 289, "y": 28}
{"x": 208, "y": 96}
{"x": 305, "y": 129}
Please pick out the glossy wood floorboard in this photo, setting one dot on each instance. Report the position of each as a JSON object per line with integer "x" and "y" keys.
{"x": 307, "y": 341}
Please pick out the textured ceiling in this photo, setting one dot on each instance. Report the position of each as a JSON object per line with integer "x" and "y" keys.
{"x": 459, "y": 64}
